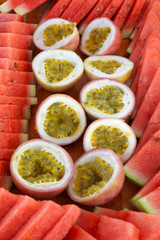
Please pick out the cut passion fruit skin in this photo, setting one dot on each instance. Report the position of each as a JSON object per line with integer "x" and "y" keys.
{"x": 110, "y": 66}
{"x": 57, "y": 70}
{"x": 90, "y": 185}
{"x": 41, "y": 185}
{"x": 113, "y": 134}
{"x": 56, "y": 33}
{"x": 60, "y": 119}
{"x": 100, "y": 37}
{"x": 104, "y": 98}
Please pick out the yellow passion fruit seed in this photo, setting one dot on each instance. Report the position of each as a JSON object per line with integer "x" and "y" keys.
{"x": 108, "y": 67}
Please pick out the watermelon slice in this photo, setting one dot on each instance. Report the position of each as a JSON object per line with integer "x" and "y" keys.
{"x": 17, "y": 28}
{"x": 77, "y": 233}
{"x": 94, "y": 13}
{"x": 28, "y": 6}
{"x": 144, "y": 164}
{"x": 112, "y": 8}
{"x": 8, "y": 5}
{"x": 4, "y": 168}
{"x": 6, "y": 154}
{"x": 16, "y": 41}
{"x": 13, "y": 125}
{"x": 7, "y": 200}
{"x": 15, "y": 65}
{"x": 152, "y": 184}
{"x": 7, "y": 76}
{"x": 123, "y": 12}
{"x": 15, "y": 53}
{"x": 6, "y": 182}
{"x": 12, "y": 140}
{"x": 130, "y": 21}
{"x": 18, "y": 100}
{"x": 17, "y": 216}
{"x": 82, "y": 12}
{"x": 41, "y": 222}
{"x": 150, "y": 101}
{"x": 19, "y": 90}
{"x": 136, "y": 75}
{"x": 62, "y": 227}
{"x": 14, "y": 112}
{"x": 4, "y": 17}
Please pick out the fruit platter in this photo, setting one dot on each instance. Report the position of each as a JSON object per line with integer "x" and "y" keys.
{"x": 80, "y": 125}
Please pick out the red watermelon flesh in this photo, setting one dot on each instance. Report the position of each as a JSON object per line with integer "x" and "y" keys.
{"x": 146, "y": 109}
{"x": 6, "y": 182}
{"x": 18, "y": 100}
{"x": 123, "y": 12}
{"x": 6, "y": 154}
{"x": 15, "y": 65}
{"x": 77, "y": 233}
{"x": 145, "y": 163}
{"x": 23, "y": 209}
{"x": 15, "y": 53}
{"x": 16, "y": 41}
{"x": 82, "y": 12}
{"x": 7, "y": 76}
{"x": 7, "y": 200}
{"x": 12, "y": 140}
{"x": 14, "y": 112}
{"x": 130, "y": 21}
{"x": 19, "y": 90}
{"x": 17, "y": 28}
{"x": 135, "y": 76}
{"x": 41, "y": 222}
{"x": 4, "y": 168}
{"x": 152, "y": 127}
{"x": 8, "y": 5}
{"x": 148, "y": 224}
{"x": 65, "y": 223}
{"x": 94, "y": 13}
{"x": 14, "y": 125}
{"x": 28, "y": 6}
{"x": 112, "y": 8}
{"x": 9, "y": 17}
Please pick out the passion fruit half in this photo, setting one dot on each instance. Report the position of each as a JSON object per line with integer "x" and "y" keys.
{"x": 113, "y": 134}
{"x": 41, "y": 168}
{"x": 110, "y": 66}
{"x": 56, "y": 33}
{"x": 98, "y": 177}
{"x": 104, "y": 98}
{"x": 57, "y": 70}
{"x": 60, "y": 119}
{"x": 100, "y": 37}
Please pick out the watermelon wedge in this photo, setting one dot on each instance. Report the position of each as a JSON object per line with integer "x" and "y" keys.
{"x": 77, "y": 233}
{"x": 15, "y": 53}
{"x": 28, "y": 6}
{"x": 15, "y": 65}
{"x": 150, "y": 203}
{"x": 8, "y": 5}
{"x": 6, "y": 154}
{"x": 6, "y": 182}
{"x": 9, "y": 17}
{"x": 130, "y": 21}
{"x": 16, "y": 41}
{"x": 17, "y": 28}
{"x": 136, "y": 75}
{"x": 123, "y": 12}
{"x": 12, "y": 140}
{"x": 65, "y": 223}
{"x": 7, "y": 76}
{"x": 13, "y": 125}
{"x": 7, "y": 200}
{"x": 41, "y": 222}
{"x": 147, "y": 107}
{"x": 112, "y": 8}
{"x": 19, "y": 90}
{"x": 14, "y": 112}
{"x": 18, "y": 100}
{"x": 4, "y": 168}
{"x": 144, "y": 164}
{"x": 17, "y": 216}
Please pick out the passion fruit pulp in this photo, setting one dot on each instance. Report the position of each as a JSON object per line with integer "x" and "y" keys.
{"x": 41, "y": 169}
{"x": 98, "y": 177}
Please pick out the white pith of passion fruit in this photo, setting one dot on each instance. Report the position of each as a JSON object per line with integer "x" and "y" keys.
{"x": 49, "y": 82}
{"x": 109, "y": 66}
{"x": 94, "y": 187}
{"x": 69, "y": 42}
{"x": 41, "y": 189}
{"x": 110, "y": 44}
{"x": 104, "y": 98}
{"x": 113, "y": 134}
{"x": 68, "y": 126}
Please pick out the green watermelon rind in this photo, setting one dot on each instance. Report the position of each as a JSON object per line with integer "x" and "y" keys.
{"x": 21, "y": 9}
{"x": 134, "y": 202}
{"x": 144, "y": 205}
{"x": 5, "y": 7}
{"x": 129, "y": 50}
{"x": 133, "y": 177}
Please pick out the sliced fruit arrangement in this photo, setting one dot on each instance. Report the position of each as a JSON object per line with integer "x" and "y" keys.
{"x": 57, "y": 70}
{"x": 104, "y": 98}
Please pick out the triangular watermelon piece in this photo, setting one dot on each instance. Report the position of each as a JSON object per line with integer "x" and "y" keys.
{"x": 15, "y": 53}
{"x": 77, "y": 233}
{"x": 15, "y": 65}
{"x": 12, "y": 140}
{"x": 6, "y": 154}
{"x": 14, "y": 125}
{"x": 18, "y": 100}
{"x": 14, "y": 112}
{"x": 8, "y": 5}
{"x": 112, "y": 8}
{"x": 9, "y": 17}
{"x": 144, "y": 164}
{"x": 17, "y": 28}
{"x": 19, "y": 90}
